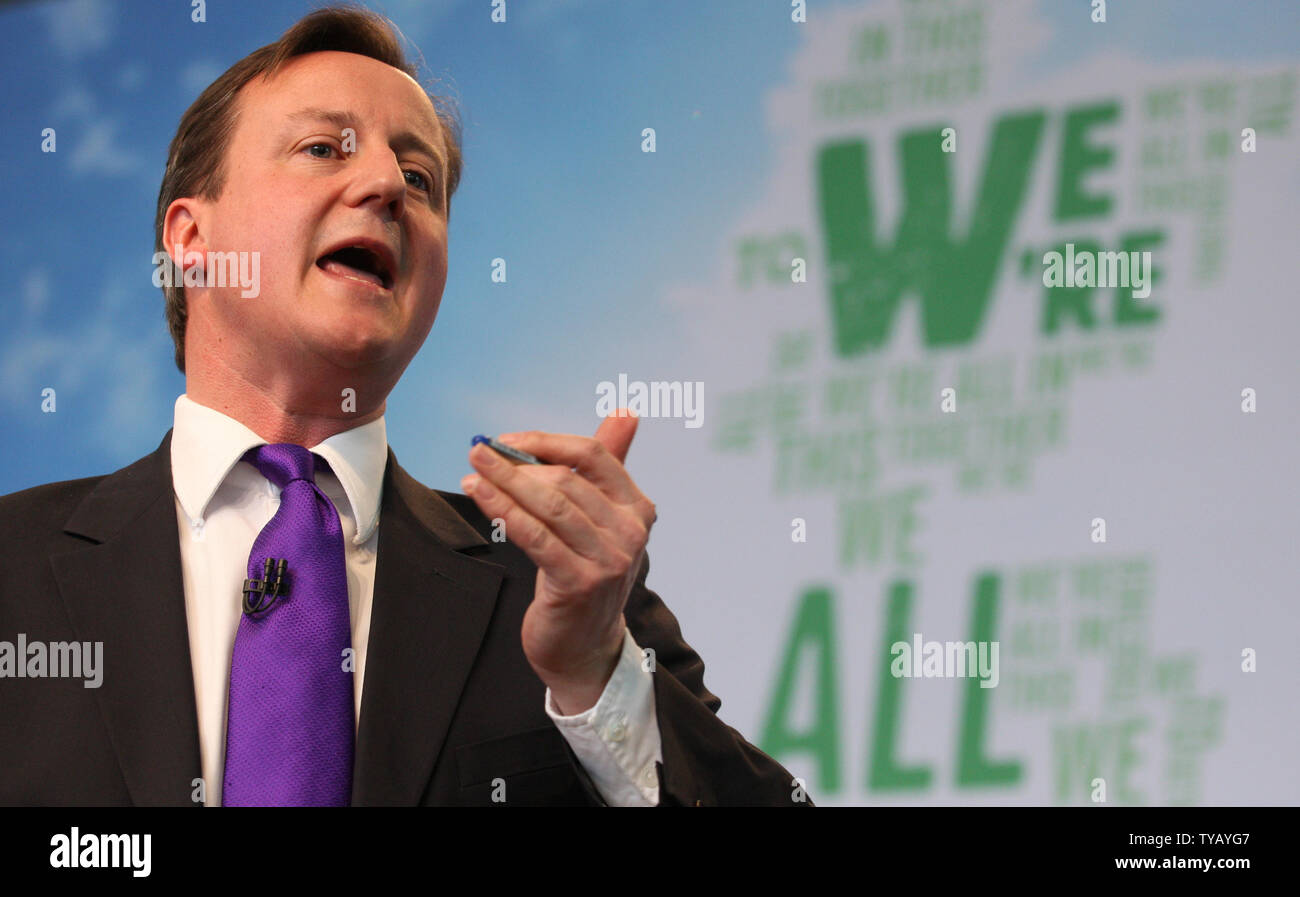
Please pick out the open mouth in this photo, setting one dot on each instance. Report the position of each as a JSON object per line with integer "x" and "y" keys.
{"x": 358, "y": 263}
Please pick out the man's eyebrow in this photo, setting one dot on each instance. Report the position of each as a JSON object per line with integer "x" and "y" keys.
{"x": 410, "y": 141}
{"x": 342, "y": 118}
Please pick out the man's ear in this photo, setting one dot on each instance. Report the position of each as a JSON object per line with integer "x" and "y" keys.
{"x": 181, "y": 227}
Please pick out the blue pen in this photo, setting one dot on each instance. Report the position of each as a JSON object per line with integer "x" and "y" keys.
{"x": 513, "y": 454}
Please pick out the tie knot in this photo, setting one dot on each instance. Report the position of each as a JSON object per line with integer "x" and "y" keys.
{"x": 283, "y": 462}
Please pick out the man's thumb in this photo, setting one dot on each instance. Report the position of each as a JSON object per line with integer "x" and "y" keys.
{"x": 615, "y": 433}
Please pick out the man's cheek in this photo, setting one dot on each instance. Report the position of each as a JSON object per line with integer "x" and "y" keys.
{"x": 279, "y": 283}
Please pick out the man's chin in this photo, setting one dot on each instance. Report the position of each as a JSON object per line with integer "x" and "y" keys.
{"x": 355, "y": 349}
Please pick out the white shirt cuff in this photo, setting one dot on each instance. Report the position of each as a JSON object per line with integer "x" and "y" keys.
{"x": 617, "y": 741}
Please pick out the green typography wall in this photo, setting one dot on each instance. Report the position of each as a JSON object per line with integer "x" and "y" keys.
{"x": 1000, "y": 369}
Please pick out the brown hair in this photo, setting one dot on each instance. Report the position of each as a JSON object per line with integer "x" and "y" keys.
{"x": 195, "y": 160}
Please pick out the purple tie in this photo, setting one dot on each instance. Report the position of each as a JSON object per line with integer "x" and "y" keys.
{"x": 289, "y": 725}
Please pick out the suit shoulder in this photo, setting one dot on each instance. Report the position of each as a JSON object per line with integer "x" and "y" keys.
{"x": 37, "y": 510}
{"x": 468, "y": 509}
{"x": 498, "y": 549}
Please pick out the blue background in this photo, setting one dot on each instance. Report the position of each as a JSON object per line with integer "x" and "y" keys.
{"x": 553, "y": 104}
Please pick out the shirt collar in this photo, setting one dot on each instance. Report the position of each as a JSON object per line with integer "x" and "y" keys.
{"x": 207, "y": 444}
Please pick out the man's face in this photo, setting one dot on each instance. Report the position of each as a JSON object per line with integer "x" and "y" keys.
{"x": 295, "y": 194}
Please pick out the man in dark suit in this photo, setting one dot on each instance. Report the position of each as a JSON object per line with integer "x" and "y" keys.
{"x": 538, "y": 669}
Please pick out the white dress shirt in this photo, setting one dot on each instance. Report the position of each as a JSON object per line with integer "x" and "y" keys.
{"x": 222, "y": 503}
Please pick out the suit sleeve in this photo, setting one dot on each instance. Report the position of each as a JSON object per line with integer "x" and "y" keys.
{"x": 705, "y": 761}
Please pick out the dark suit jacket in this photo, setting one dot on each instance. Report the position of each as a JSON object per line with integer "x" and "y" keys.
{"x": 449, "y": 704}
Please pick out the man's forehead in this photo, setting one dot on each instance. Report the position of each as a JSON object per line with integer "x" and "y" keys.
{"x": 351, "y": 78}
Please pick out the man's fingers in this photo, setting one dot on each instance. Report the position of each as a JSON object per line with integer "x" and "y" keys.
{"x": 620, "y": 520}
{"x": 590, "y": 457}
{"x": 545, "y": 502}
{"x": 565, "y": 567}
{"x": 616, "y": 432}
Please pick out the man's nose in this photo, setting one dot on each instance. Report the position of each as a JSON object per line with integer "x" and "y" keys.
{"x": 379, "y": 181}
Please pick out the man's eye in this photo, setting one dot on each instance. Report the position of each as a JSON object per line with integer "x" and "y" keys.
{"x": 421, "y": 182}
{"x": 324, "y": 146}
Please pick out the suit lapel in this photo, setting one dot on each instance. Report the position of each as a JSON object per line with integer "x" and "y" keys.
{"x": 126, "y": 590}
{"x": 429, "y": 615}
